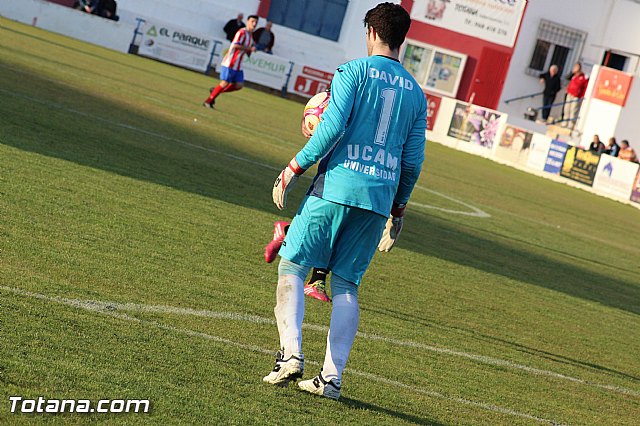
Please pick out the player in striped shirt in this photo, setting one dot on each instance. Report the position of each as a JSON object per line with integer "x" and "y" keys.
{"x": 231, "y": 74}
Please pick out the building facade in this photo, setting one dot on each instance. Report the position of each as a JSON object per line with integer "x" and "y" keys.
{"x": 484, "y": 51}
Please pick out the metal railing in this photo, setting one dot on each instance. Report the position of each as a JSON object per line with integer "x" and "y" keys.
{"x": 532, "y": 95}
{"x": 555, "y": 105}
{"x": 532, "y": 113}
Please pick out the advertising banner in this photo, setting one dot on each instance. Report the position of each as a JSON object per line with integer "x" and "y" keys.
{"x": 612, "y": 86}
{"x": 435, "y": 69}
{"x": 433, "y": 106}
{"x": 555, "y": 157}
{"x": 175, "y": 45}
{"x": 606, "y": 95}
{"x": 635, "y": 191}
{"x": 496, "y": 21}
{"x": 307, "y": 81}
{"x": 615, "y": 177}
{"x": 538, "y": 151}
{"x": 475, "y": 124}
{"x": 514, "y": 145}
{"x": 445, "y": 72}
{"x": 580, "y": 165}
{"x": 267, "y": 70}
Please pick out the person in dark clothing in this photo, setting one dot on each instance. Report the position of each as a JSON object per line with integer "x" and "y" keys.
{"x": 597, "y": 147}
{"x": 613, "y": 148}
{"x": 264, "y": 38}
{"x": 88, "y": 6}
{"x": 107, "y": 9}
{"x": 551, "y": 81}
{"x": 232, "y": 27}
{"x": 102, "y": 8}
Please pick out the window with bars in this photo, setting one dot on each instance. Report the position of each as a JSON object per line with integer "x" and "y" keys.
{"x": 555, "y": 45}
{"x": 322, "y": 18}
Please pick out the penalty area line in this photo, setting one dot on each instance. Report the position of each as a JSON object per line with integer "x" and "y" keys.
{"x": 106, "y": 306}
{"x": 475, "y": 212}
{"x": 110, "y": 309}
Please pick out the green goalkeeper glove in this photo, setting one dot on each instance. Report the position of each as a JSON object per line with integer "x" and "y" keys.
{"x": 393, "y": 228}
{"x": 284, "y": 182}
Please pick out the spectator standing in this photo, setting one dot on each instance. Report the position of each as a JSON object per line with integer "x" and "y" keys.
{"x": 626, "y": 152}
{"x": 232, "y": 27}
{"x": 613, "y": 148}
{"x": 264, "y": 38}
{"x": 597, "y": 147}
{"x": 551, "y": 82}
{"x": 575, "y": 92}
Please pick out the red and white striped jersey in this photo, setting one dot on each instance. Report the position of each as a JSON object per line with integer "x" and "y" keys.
{"x": 233, "y": 58}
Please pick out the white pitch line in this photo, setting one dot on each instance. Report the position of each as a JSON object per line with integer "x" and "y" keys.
{"x": 110, "y": 309}
{"x": 475, "y": 213}
{"x": 105, "y": 306}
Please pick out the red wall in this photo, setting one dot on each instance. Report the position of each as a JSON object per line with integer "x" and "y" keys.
{"x": 263, "y": 8}
{"x": 487, "y": 63}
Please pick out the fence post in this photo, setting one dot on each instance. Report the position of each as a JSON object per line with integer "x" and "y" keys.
{"x": 133, "y": 47}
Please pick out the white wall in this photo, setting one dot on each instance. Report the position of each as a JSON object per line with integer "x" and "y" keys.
{"x": 624, "y": 28}
{"x": 626, "y": 17}
{"x": 628, "y": 124}
{"x": 200, "y": 16}
{"x": 209, "y": 16}
{"x": 203, "y": 16}
{"x": 571, "y": 13}
{"x": 352, "y": 37}
{"x": 72, "y": 23}
{"x": 609, "y": 24}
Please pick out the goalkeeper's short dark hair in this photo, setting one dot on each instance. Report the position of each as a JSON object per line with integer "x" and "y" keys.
{"x": 391, "y": 22}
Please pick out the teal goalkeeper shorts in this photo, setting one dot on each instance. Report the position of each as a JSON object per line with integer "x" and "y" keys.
{"x": 333, "y": 236}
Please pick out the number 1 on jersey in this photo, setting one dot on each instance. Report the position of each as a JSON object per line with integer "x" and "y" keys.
{"x": 388, "y": 99}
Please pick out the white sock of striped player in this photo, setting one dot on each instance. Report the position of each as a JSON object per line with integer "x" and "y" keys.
{"x": 345, "y": 315}
{"x": 289, "y": 313}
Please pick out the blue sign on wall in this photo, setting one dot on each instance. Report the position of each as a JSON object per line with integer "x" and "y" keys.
{"x": 555, "y": 157}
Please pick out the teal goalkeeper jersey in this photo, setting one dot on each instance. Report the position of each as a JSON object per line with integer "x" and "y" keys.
{"x": 371, "y": 139}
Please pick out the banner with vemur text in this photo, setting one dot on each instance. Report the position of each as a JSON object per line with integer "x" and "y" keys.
{"x": 267, "y": 70}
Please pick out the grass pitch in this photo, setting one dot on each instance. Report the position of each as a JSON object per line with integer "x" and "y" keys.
{"x": 132, "y": 224}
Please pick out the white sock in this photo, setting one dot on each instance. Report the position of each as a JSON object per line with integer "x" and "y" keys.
{"x": 289, "y": 312}
{"x": 345, "y": 316}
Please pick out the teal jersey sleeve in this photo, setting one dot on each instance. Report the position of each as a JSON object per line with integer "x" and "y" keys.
{"x": 370, "y": 141}
{"x": 334, "y": 119}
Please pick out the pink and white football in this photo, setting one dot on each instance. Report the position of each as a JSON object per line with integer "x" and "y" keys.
{"x": 314, "y": 109}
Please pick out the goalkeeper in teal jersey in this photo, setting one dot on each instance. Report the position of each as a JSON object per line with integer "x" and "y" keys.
{"x": 370, "y": 144}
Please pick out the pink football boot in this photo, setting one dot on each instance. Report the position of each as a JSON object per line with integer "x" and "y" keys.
{"x": 317, "y": 290}
{"x": 271, "y": 250}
